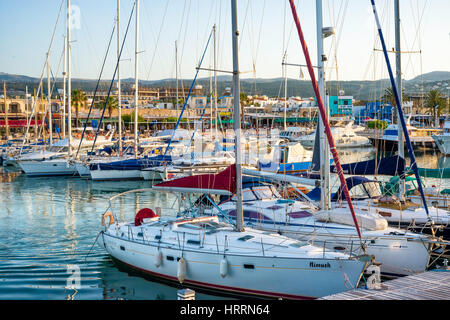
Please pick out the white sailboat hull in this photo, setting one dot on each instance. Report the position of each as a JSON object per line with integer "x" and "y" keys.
{"x": 154, "y": 175}
{"x": 291, "y": 278}
{"x": 443, "y": 143}
{"x": 57, "y": 167}
{"x": 104, "y": 175}
{"x": 83, "y": 169}
{"x": 398, "y": 257}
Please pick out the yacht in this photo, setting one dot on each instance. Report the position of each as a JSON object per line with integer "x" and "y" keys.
{"x": 345, "y": 137}
{"x": 400, "y": 252}
{"x": 293, "y": 133}
{"x": 205, "y": 253}
{"x": 443, "y": 140}
{"x": 201, "y": 251}
{"x": 420, "y": 137}
{"x": 378, "y": 198}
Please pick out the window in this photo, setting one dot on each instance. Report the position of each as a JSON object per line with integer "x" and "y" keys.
{"x": 247, "y": 195}
{"x": 264, "y": 192}
{"x": 14, "y": 108}
{"x": 246, "y": 238}
{"x": 373, "y": 189}
{"x": 358, "y": 192}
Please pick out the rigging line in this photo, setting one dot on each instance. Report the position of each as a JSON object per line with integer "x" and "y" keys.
{"x": 417, "y": 36}
{"x": 290, "y": 31}
{"x": 182, "y": 52}
{"x": 112, "y": 80}
{"x": 260, "y": 32}
{"x": 244, "y": 22}
{"x": 40, "y": 81}
{"x": 284, "y": 31}
{"x": 157, "y": 40}
{"x": 190, "y": 91}
{"x": 96, "y": 88}
{"x": 337, "y": 40}
{"x": 208, "y": 23}
{"x": 325, "y": 118}
{"x": 412, "y": 157}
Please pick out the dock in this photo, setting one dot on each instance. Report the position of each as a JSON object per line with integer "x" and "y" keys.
{"x": 430, "y": 285}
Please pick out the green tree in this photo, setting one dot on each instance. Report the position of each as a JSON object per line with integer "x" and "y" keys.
{"x": 244, "y": 98}
{"x": 390, "y": 97}
{"x": 111, "y": 105}
{"x": 79, "y": 99}
{"x": 435, "y": 103}
{"x": 129, "y": 118}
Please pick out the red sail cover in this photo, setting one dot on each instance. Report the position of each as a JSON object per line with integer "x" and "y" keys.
{"x": 225, "y": 180}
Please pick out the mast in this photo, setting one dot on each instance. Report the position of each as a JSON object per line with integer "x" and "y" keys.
{"x": 237, "y": 116}
{"x": 49, "y": 101}
{"x": 400, "y": 112}
{"x": 26, "y": 104}
{"x": 64, "y": 88}
{"x": 398, "y": 56}
{"x": 136, "y": 93}
{"x": 176, "y": 71}
{"x": 119, "y": 94}
{"x": 324, "y": 154}
{"x": 69, "y": 80}
{"x": 6, "y": 111}
{"x": 35, "y": 102}
{"x": 285, "y": 89}
{"x": 215, "y": 79}
{"x": 324, "y": 116}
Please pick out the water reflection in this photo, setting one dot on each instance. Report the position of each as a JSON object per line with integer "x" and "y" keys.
{"x": 49, "y": 224}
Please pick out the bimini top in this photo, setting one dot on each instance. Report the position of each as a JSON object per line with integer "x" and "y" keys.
{"x": 223, "y": 183}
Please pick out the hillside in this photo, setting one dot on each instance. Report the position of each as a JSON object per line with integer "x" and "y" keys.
{"x": 361, "y": 90}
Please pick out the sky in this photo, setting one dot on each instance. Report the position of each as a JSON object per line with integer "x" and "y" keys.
{"x": 266, "y": 29}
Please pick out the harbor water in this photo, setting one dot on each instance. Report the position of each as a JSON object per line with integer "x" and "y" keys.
{"x": 48, "y": 228}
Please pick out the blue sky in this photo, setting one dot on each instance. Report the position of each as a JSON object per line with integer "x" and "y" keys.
{"x": 27, "y": 27}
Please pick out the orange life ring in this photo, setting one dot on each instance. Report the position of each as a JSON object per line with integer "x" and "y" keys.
{"x": 111, "y": 218}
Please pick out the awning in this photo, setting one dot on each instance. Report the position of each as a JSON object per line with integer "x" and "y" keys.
{"x": 18, "y": 123}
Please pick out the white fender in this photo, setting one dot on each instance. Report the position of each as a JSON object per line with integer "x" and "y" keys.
{"x": 223, "y": 267}
{"x": 181, "y": 272}
{"x": 158, "y": 259}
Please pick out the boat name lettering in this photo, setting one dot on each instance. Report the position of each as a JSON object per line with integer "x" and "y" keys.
{"x": 319, "y": 265}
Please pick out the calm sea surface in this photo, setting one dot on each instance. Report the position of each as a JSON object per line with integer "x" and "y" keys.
{"x": 48, "y": 226}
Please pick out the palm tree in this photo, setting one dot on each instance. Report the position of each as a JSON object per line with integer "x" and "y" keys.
{"x": 111, "y": 105}
{"x": 435, "y": 102}
{"x": 390, "y": 97}
{"x": 79, "y": 99}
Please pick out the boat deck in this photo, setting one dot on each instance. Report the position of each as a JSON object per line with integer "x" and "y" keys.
{"x": 431, "y": 285}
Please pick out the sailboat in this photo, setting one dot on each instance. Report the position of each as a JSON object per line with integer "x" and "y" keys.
{"x": 58, "y": 165}
{"x": 398, "y": 251}
{"x": 200, "y": 251}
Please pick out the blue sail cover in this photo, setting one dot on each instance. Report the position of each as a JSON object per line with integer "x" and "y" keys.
{"x": 351, "y": 182}
{"x": 133, "y": 164}
{"x": 391, "y": 166}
